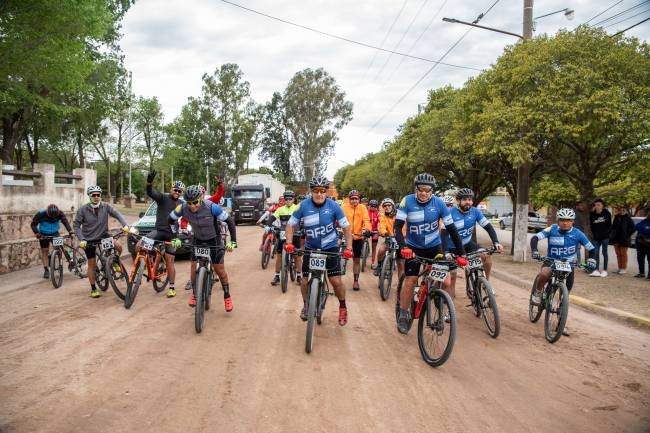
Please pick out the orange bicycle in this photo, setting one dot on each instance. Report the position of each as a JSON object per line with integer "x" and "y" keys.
{"x": 150, "y": 255}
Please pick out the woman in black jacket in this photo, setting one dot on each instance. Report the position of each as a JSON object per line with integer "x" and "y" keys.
{"x": 622, "y": 229}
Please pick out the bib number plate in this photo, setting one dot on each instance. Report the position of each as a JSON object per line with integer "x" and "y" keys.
{"x": 57, "y": 242}
{"x": 317, "y": 262}
{"x": 283, "y": 235}
{"x": 475, "y": 263}
{"x": 439, "y": 273}
{"x": 562, "y": 266}
{"x": 107, "y": 243}
{"x": 147, "y": 243}
{"x": 203, "y": 252}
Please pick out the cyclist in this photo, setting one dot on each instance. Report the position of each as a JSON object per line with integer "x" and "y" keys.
{"x": 91, "y": 225}
{"x": 320, "y": 216}
{"x": 163, "y": 231}
{"x": 280, "y": 218}
{"x": 364, "y": 201}
{"x": 205, "y": 217}
{"x": 449, "y": 201}
{"x": 465, "y": 218}
{"x": 359, "y": 220}
{"x": 420, "y": 212}
{"x": 563, "y": 243}
{"x": 265, "y": 220}
{"x": 373, "y": 214}
{"x": 46, "y": 223}
{"x": 386, "y": 228}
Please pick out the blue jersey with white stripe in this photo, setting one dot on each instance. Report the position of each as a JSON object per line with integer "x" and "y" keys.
{"x": 319, "y": 223}
{"x": 465, "y": 223}
{"x": 421, "y": 221}
{"x": 564, "y": 245}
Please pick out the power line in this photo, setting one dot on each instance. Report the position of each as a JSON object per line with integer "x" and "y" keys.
{"x": 418, "y": 38}
{"x": 479, "y": 18}
{"x": 363, "y": 44}
{"x": 601, "y": 22}
{"x": 631, "y": 27}
{"x": 600, "y": 13}
{"x": 390, "y": 30}
{"x": 628, "y": 18}
{"x": 417, "y": 14}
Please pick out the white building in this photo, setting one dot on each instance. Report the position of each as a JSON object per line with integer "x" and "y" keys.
{"x": 276, "y": 187}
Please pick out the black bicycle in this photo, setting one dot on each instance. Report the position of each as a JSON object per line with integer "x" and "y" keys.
{"x": 434, "y": 309}
{"x": 205, "y": 279}
{"x": 365, "y": 250}
{"x": 110, "y": 268}
{"x": 388, "y": 267}
{"x": 342, "y": 247}
{"x": 317, "y": 290}
{"x": 554, "y": 298}
{"x": 74, "y": 256}
{"x": 480, "y": 292}
{"x": 288, "y": 269}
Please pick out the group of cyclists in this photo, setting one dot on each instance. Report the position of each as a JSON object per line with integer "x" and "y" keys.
{"x": 423, "y": 225}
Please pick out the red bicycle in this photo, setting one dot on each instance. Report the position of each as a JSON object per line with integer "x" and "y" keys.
{"x": 269, "y": 246}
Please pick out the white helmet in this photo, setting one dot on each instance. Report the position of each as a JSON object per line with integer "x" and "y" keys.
{"x": 566, "y": 214}
{"x": 448, "y": 199}
{"x": 93, "y": 188}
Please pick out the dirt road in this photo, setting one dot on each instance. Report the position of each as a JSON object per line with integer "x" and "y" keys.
{"x": 69, "y": 363}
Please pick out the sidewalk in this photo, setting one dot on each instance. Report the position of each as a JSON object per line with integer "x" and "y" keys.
{"x": 620, "y": 296}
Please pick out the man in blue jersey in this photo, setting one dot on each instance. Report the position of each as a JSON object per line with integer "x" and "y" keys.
{"x": 465, "y": 218}
{"x": 420, "y": 212}
{"x": 321, "y": 216}
{"x": 563, "y": 243}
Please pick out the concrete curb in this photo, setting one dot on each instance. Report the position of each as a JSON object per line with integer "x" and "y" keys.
{"x": 586, "y": 304}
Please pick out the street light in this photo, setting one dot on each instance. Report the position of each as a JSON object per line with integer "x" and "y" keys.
{"x": 568, "y": 13}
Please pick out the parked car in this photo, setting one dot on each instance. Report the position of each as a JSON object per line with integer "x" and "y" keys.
{"x": 536, "y": 222}
{"x": 146, "y": 224}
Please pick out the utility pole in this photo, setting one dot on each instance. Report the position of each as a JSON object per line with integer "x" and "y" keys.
{"x": 520, "y": 244}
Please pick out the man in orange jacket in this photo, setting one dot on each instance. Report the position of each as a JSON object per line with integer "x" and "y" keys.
{"x": 357, "y": 215}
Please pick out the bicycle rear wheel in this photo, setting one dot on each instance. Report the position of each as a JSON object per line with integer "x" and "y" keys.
{"x": 488, "y": 306}
{"x": 56, "y": 268}
{"x": 199, "y": 293}
{"x": 80, "y": 262}
{"x": 160, "y": 276}
{"x": 557, "y": 311}
{"x": 208, "y": 292}
{"x": 117, "y": 276}
{"x": 284, "y": 272}
{"x": 535, "y": 309}
{"x": 386, "y": 277}
{"x": 292, "y": 268}
{"x": 470, "y": 291}
{"x": 365, "y": 252}
{"x": 437, "y": 328}
{"x": 101, "y": 278}
{"x": 311, "y": 313}
{"x": 132, "y": 289}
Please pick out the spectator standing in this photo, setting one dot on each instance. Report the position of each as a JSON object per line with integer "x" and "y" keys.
{"x": 600, "y": 221}
{"x": 643, "y": 244}
{"x": 622, "y": 229}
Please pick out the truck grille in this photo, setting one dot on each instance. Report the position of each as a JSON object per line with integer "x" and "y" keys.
{"x": 246, "y": 208}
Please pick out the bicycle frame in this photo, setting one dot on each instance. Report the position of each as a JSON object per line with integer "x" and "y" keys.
{"x": 152, "y": 266}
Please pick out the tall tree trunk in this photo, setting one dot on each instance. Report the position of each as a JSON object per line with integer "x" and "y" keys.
{"x": 12, "y": 132}
{"x": 80, "y": 149}
{"x": 118, "y": 172}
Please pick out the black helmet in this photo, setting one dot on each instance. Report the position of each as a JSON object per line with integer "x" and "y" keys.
{"x": 464, "y": 193}
{"x": 192, "y": 193}
{"x": 300, "y": 197}
{"x": 354, "y": 193}
{"x": 373, "y": 203}
{"x": 319, "y": 181}
{"x": 52, "y": 211}
{"x": 289, "y": 194}
{"x": 424, "y": 179}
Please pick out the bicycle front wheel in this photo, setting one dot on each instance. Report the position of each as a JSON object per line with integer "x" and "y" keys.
{"x": 117, "y": 276}
{"x": 284, "y": 272}
{"x": 132, "y": 289}
{"x": 386, "y": 278}
{"x": 311, "y": 313}
{"x": 266, "y": 253}
{"x": 101, "y": 278}
{"x": 557, "y": 311}
{"x": 470, "y": 291}
{"x": 56, "y": 268}
{"x": 437, "y": 328}
{"x": 488, "y": 306}
{"x": 199, "y": 293}
{"x": 160, "y": 278}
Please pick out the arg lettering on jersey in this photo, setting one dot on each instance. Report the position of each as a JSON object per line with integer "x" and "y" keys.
{"x": 563, "y": 251}
{"x": 320, "y": 231}
{"x": 419, "y": 229}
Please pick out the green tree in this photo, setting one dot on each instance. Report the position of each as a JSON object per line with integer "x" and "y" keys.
{"x": 274, "y": 139}
{"x": 149, "y": 121}
{"x": 315, "y": 110}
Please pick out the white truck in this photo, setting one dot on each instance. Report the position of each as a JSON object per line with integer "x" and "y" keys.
{"x": 274, "y": 186}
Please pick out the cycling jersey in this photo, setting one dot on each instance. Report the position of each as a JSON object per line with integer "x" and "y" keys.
{"x": 386, "y": 225}
{"x": 421, "y": 221}
{"x": 562, "y": 245}
{"x": 465, "y": 222}
{"x": 283, "y": 214}
{"x": 373, "y": 214}
{"x": 47, "y": 225}
{"x": 358, "y": 218}
{"x": 91, "y": 223}
{"x": 166, "y": 203}
{"x": 320, "y": 223}
{"x": 204, "y": 221}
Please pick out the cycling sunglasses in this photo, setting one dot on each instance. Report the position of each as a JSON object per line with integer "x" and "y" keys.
{"x": 319, "y": 190}
{"x": 194, "y": 202}
{"x": 95, "y": 195}
{"x": 424, "y": 188}
{"x": 180, "y": 191}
